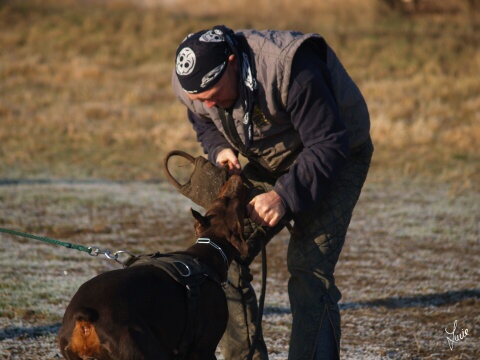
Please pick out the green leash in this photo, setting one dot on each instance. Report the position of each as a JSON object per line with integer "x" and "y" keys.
{"x": 90, "y": 250}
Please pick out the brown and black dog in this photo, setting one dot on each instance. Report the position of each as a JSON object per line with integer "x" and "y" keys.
{"x": 141, "y": 312}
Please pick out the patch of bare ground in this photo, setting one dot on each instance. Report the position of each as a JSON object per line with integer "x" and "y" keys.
{"x": 409, "y": 269}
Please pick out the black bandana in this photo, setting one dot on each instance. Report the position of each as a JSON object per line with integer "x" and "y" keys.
{"x": 202, "y": 59}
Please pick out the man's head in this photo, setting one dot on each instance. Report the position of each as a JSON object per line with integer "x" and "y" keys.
{"x": 207, "y": 68}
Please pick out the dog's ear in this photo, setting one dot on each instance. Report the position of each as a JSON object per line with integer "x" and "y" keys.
{"x": 237, "y": 239}
{"x": 199, "y": 217}
{"x": 200, "y": 223}
{"x": 236, "y": 221}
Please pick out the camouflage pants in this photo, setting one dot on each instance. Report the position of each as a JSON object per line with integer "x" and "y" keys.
{"x": 313, "y": 252}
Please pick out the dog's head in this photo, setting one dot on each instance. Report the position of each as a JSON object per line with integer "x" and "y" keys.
{"x": 224, "y": 218}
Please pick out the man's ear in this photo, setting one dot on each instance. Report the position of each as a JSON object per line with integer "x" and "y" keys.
{"x": 232, "y": 60}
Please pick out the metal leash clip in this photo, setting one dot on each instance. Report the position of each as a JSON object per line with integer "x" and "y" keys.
{"x": 95, "y": 251}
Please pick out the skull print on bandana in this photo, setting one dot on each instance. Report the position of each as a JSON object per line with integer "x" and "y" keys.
{"x": 212, "y": 75}
{"x": 185, "y": 61}
{"x": 213, "y": 36}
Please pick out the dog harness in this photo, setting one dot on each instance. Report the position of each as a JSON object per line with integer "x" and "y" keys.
{"x": 187, "y": 271}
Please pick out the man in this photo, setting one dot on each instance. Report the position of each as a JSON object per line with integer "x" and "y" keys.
{"x": 283, "y": 100}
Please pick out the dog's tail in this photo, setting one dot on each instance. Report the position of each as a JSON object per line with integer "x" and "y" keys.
{"x": 86, "y": 314}
{"x": 84, "y": 343}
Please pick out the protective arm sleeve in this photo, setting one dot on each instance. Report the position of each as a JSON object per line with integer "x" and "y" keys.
{"x": 315, "y": 115}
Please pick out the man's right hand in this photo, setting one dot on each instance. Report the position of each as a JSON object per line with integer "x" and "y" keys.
{"x": 227, "y": 159}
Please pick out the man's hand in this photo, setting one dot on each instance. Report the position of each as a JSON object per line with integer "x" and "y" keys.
{"x": 227, "y": 159}
{"x": 266, "y": 209}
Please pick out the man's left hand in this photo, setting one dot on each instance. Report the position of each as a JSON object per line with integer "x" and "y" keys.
{"x": 266, "y": 209}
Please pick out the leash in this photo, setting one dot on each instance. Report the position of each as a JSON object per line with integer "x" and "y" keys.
{"x": 261, "y": 302}
{"x": 90, "y": 250}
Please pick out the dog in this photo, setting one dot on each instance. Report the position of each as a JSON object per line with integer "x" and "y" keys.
{"x": 143, "y": 313}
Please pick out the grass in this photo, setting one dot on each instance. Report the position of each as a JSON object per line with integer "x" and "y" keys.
{"x": 408, "y": 270}
{"x": 85, "y": 86}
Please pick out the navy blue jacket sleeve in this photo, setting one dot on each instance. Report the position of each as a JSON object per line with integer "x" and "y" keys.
{"x": 314, "y": 114}
{"x": 208, "y": 136}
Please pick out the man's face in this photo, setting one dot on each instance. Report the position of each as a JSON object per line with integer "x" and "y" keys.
{"x": 224, "y": 93}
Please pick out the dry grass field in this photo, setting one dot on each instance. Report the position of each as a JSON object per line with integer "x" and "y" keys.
{"x": 85, "y": 89}
{"x": 87, "y": 114}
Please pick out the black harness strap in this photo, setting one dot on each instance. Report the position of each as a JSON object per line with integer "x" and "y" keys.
{"x": 189, "y": 272}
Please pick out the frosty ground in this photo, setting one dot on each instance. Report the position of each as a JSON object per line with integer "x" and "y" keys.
{"x": 409, "y": 270}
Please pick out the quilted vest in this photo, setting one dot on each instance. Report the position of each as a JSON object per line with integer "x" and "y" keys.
{"x": 275, "y": 143}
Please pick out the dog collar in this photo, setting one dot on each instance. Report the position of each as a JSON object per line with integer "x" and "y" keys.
{"x": 210, "y": 242}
